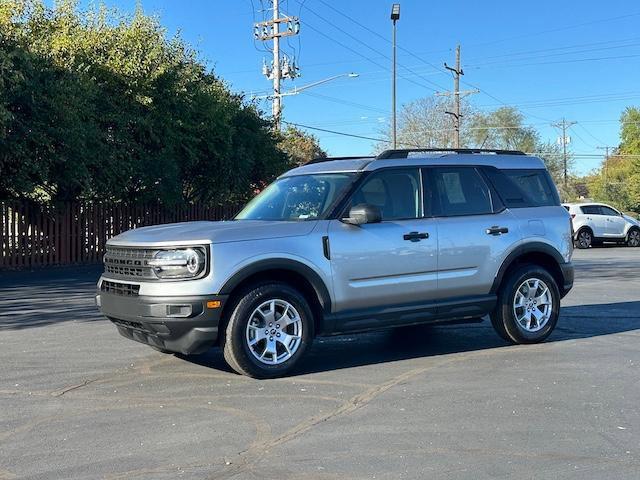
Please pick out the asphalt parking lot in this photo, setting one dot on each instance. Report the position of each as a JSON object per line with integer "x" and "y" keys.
{"x": 455, "y": 402}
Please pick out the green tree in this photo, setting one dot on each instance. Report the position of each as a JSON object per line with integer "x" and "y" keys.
{"x": 618, "y": 180}
{"x": 299, "y": 146}
{"x": 100, "y": 105}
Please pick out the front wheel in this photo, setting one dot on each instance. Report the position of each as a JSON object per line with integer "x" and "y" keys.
{"x": 584, "y": 239}
{"x": 269, "y": 330}
{"x": 633, "y": 238}
{"x": 528, "y": 305}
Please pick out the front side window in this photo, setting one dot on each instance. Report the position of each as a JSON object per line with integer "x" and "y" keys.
{"x": 608, "y": 211}
{"x": 302, "y": 197}
{"x": 461, "y": 191}
{"x": 395, "y": 192}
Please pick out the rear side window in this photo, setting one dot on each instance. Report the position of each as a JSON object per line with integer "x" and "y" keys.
{"x": 536, "y": 185}
{"x": 590, "y": 209}
{"x": 461, "y": 191}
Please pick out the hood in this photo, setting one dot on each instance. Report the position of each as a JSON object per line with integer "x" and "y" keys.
{"x": 201, "y": 233}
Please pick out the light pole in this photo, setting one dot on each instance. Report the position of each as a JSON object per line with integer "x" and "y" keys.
{"x": 297, "y": 90}
{"x": 395, "y": 16}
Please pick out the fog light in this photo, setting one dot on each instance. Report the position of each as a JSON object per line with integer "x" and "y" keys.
{"x": 179, "y": 310}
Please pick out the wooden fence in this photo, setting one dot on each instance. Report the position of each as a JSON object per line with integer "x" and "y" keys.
{"x": 75, "y": 233}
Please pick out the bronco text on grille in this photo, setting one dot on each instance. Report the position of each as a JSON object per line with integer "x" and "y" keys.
{"x": 129, "y": 262}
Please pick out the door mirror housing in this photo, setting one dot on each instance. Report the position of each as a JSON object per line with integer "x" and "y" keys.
{"x": 363, "y": 213}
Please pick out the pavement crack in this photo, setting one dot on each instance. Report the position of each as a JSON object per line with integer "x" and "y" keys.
{"x": 253, "y": 454}
{"x": 60, "y": 393}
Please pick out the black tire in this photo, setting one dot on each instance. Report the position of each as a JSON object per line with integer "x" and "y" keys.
{"x": 633, "y": 237}
{"x": 162, "y": 350}
{"x": 235, "y": 343}
{"x": 503, "y": 316}
{"x": 584, "y": 238}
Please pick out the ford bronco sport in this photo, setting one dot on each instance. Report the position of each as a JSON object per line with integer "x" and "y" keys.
{"x": 345, "y": 245}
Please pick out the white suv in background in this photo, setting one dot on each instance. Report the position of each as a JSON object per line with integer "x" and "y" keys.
{"x": 595, "y": 223}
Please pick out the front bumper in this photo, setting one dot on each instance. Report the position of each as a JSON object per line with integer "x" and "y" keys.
{"x": 177, "y": 324}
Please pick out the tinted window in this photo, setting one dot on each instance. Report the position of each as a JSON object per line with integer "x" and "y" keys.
{"x": 536, "y": 186}
{"x": 461, "y": 191}
{"x": 511, "y": 194}
{"x": 590, "y": 209}
{"x": 395, "y": 192}
{"x": 608, "y": 211}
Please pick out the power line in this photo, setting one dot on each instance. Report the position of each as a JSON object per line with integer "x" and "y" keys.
{"x": 377, "y": 34}
{"x": 366, "y": 45}
{"x": 560, "y": 29}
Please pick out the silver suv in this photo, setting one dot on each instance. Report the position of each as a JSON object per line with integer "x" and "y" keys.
{"x": 351, "y": 244}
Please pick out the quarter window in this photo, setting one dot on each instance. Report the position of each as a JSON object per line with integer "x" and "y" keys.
{"x": 461, "y": 191}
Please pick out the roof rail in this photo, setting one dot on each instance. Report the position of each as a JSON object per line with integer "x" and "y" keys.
{"x": 404, "y": 152}
{"x": 329, "y": 159}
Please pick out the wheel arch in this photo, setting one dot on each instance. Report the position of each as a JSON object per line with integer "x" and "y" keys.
{"x": 536, "y": 253}
{"x": 584, "y": 227}
{"x": 296, "y": 274}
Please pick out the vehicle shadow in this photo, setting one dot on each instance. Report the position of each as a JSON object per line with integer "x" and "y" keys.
{"x": 347, "y": 351}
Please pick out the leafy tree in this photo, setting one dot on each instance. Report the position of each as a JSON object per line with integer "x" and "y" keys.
{"x": 100, "y": 105}
{"x": 424, "y": 123}
{"x": 618, "y": 181}
{"x": 299, "y": 146}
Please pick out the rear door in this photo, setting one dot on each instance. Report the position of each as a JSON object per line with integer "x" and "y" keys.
{"x": 475, "y": 230}
{"x": 595, "y": 219}
{"x": 393, "y": 262}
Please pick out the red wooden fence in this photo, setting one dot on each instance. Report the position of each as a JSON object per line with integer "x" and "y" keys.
{"x": 75, "y": 233}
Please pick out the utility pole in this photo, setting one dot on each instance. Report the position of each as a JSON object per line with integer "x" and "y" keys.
{"x": 604, "y": 163}
{"x": 281, "y": 68}
{"x": 564, "y": 140}
{"x": 395, "y": 16}
{"x": 457, "y": 94}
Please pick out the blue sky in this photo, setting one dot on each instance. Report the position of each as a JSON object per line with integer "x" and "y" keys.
{"x": 573, "y": 59}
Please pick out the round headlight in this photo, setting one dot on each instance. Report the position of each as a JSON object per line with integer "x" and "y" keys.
{"x": 193, "y": 261}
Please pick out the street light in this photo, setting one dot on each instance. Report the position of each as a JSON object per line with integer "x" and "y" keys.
{"x": 297, "y": 90}
{"x": 395, "y": 16}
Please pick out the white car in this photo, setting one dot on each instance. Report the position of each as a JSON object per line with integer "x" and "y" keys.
{"x": 595, "y": 223}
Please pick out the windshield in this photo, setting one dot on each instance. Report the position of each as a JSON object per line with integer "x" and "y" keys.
{"x": 302, "y": 197}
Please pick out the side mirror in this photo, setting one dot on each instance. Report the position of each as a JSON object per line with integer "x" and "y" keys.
{"x": 363, "y": 213}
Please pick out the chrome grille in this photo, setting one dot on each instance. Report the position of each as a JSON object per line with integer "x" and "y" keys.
{"x": 115, "y": 288}
{"x": 129, "y": 262}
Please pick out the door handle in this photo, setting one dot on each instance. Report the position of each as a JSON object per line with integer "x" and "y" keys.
{"x": 496, "y": 230}
{"x": 415, "y": 236}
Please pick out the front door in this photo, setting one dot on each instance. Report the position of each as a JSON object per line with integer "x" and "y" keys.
{"x": 614, "y": 223}
{"x": 393, "y": 262}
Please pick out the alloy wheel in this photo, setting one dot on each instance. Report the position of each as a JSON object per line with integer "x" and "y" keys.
{"x": 584, "y": 239}
{"x": 274, "y": 332}
{"x": 634, "y": 238}
{"x": 532, "y": 305}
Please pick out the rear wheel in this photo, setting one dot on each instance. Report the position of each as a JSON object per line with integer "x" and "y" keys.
{"x": 633, "y": 238}
{"x": 584, "y": 239}
{"x": 528, "y": 305}
{"x": 269, "y": 330}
